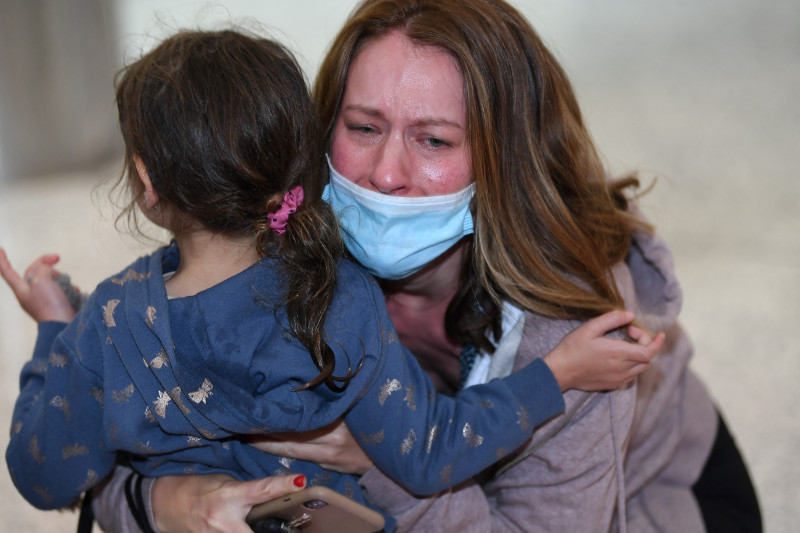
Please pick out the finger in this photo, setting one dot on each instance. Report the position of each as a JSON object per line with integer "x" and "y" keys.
{"x": 324, "y": 455}
{"x": 274, "y": 447}
{"x": 265, "y": 489}
{"x": 639, "y": 335}
{"x": 330, "y": 434}
{"x": 637, "y": 369}
{"x": 46, "y": 260}
{"x": 640, "y": 353}
{"x": 14, "y": 280}
{"x": 43, "y": 263}
{"x": 609, "y": 321}
{"x": 656, "y": 344}
{"x": 50, "y": 259}
{"x": 295, "y": 450}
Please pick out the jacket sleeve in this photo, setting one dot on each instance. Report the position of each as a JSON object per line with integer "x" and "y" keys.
{"x": 428, "y": 442}
{"x": 56, "y": 450}
{"x": 568, "y": 478}
{"x": 540, "y": 494}
{"x": 115, "y": 512}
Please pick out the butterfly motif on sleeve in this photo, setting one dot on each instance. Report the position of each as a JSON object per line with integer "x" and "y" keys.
{"x": 202, "y": 394}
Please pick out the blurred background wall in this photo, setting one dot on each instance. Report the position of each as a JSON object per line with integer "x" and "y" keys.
{"x": 701, "y": 96}
{"x": 56, "y": 60}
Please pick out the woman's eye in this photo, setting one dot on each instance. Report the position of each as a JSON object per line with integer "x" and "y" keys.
{"x": 360, "y": 128}
{"x": 435, "y": 142}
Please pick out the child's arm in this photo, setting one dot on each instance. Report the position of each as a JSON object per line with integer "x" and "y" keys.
{"x": 587, "y": 359}
{"x": 38, "y": 292}
{"x": 56, "y": 449}
{"x": 428, "y": 442}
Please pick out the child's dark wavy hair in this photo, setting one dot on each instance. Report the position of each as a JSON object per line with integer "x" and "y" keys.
{"x": 225, "y": 127}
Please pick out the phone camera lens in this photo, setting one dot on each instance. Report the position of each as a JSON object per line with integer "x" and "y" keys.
{"x": 315, "y": 504}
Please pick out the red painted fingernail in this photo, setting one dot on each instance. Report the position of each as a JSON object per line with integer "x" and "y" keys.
{"x": 299, "y": 481}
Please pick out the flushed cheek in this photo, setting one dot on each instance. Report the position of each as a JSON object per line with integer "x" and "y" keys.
{"x": 347, "y": 160}
{"x": 443, "y": 178}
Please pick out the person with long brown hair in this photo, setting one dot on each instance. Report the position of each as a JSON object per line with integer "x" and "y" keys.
{"x": 251, "y": 321}
{"x": 553, "y": 237}
{"x": 423, "y": 98}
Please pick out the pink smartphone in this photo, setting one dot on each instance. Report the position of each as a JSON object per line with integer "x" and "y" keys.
{"x": 314, "y": 510}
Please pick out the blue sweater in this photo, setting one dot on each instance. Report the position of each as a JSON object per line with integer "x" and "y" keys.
{"x": 171, "y": 385}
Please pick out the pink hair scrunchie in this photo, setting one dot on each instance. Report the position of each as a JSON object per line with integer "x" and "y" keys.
{"x": 291, "y": 201}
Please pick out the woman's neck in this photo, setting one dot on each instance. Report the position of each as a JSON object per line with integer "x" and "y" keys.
{"x": 438, "y": 281}
{"x": 417, "y": 306}
{"x": 207, "y": 259}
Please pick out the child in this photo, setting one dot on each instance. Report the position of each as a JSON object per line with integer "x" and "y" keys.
{"x": 250, "y": 322}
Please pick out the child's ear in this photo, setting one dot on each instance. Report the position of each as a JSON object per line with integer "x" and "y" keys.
{"x": 150, "y": 195}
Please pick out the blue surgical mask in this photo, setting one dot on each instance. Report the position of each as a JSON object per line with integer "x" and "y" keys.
{"x": 395, "y": 236}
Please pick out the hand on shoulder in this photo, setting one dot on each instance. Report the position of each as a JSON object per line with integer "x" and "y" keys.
{"x": 588, "y": 360}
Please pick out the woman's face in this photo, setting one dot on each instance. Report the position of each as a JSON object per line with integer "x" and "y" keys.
{"x": 401, "y": 127}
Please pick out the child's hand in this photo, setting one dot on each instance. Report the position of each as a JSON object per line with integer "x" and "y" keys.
{"x": 38, "y": 294}
{"x": 588, "y": 360}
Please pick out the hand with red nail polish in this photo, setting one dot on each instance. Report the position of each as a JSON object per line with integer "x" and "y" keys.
{"x": 214, "y": 503}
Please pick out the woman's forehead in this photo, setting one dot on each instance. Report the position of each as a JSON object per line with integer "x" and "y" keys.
{"x": 394, "y": 74}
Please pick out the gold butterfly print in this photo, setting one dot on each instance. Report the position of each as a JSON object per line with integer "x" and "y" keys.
{"x": 58, "y": 360}
{"x": 144, "y": 447}
{"x": 43, "y": 493}
{"x": 209, "y": 435}
{"x": 473, "y": 439}
{"x": 159, "y": 361}
{"x": 175, "y": 394}
{"x": 108, "y": 313}
{"x": 150, "y": 318}
{"x": 97, "y": 394}
{"x": 130, "y": 275}
{"x": 522, "y": 419}
{"x": 124, "y": 395}
{"x": 161, "y": 403}
{"x": 409, "y": 398}
{"x": 375, "y": 438}
{"x": 444, "y": 475}
{"x": 33, "y": 449}
{"x": 202, "y": 394}
{"x": 91, "y": 480}
{"x": 62, "y": 403}
{"x": 408, "y": 443}
{"x": 387, "y": 389}
{"x": 433, "y": 431}
{"x": 73, "y": 450}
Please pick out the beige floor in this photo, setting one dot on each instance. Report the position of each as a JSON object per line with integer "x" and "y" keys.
{"x": 705, "y": 97}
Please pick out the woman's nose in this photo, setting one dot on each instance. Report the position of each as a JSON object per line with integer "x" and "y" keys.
{"x": 390, "y": 171}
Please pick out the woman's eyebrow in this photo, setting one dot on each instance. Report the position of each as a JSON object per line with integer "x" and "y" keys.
{"x": 363, "y": 109}
{"x": 427, "y": 121}
{"x": 436, "y": 121}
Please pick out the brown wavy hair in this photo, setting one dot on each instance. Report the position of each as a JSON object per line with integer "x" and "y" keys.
{"x": 548, "y": 222}
{"x": 225, "y": 126}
